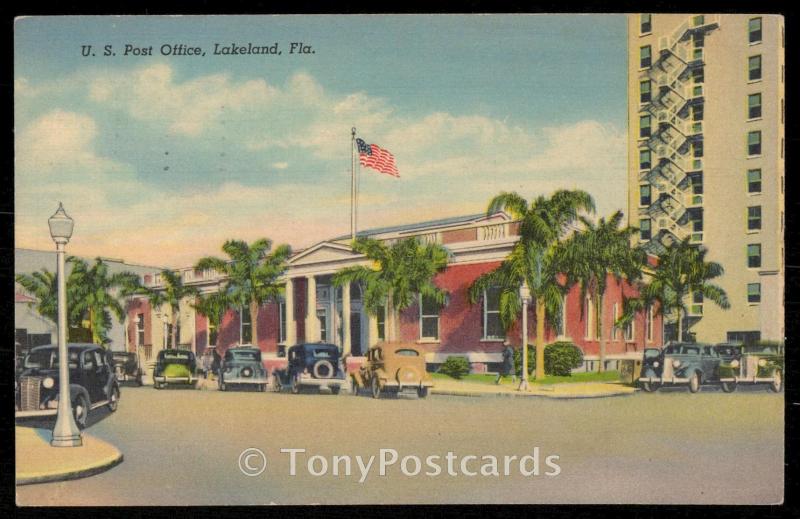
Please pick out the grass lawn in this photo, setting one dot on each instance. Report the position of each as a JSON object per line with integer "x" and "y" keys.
{"x": 481, "y": 378}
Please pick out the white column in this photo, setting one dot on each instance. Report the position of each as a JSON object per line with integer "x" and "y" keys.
{"x": 373, "y": 329}
{"x": 312, "y": 330}
{"x": 291, "y": 326}
{"x": 346, "y": 319}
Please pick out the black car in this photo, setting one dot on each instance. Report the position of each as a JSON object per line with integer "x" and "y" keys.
{"x": 126, "y": 367}
{"x": 311, "y": 365}
{"x": 92, "y": 383}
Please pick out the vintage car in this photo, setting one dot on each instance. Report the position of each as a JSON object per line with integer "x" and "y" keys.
{"x": 681, "y": 363}
{"x": 126, "y": 367}
{"x": 242, "y": 366}
{"x": 92, "y": 383}
{"x": 174, "y": 367}
{"x": 752, "y": 364}
{"x": 392, "y": 368}
{"x": 311, "y": 365}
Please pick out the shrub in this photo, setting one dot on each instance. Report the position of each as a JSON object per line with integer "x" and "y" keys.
{"x": 560, "y": 358}
{"x": 455, "y": 367}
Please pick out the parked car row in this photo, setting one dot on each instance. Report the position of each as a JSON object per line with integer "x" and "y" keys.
{"x": 726, "y": 365}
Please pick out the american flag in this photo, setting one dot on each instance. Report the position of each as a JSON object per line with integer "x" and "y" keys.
{"x": 377, "y": 158}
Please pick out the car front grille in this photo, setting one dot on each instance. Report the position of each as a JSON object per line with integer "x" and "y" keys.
{"x": 29, "y": 393}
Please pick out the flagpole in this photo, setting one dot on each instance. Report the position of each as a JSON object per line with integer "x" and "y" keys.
{"x": 353, "y": 183}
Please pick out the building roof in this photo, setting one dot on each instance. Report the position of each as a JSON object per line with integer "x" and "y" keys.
{"x": 442, "y": 222}
{"x": 31, "y": 260}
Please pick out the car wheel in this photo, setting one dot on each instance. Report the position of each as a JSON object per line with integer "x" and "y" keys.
{"x": 80, "y": 410}
{"x": 648, "y": 387}
{"x": 376, "y": 388}
{"x": 777, "y": 382}
{"x": 422, "y": 392}
{"x": 113, "y": 399}
{"x": 222, "y": 385}
{"x": 335, "y": 389}
{"x": 139, "y": 381}
{"x": 728, "y": 387}
{"x": 694, "y": 383}
{"x": 156, "y": 384}
{"x": 295, "y": 384}
{"x": 353, "y": 386}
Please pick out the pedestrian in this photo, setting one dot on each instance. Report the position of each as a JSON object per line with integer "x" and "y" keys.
{"x": 215, "y": 363}
{"x": 507, "y": 367}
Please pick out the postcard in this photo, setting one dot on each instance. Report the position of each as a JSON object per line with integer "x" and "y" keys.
{"x": 361, "y": 259}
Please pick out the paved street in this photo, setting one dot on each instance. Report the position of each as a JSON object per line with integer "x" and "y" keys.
{"x": 183, "y": 447}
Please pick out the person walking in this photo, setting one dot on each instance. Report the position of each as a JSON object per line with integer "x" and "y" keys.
{"x": 507, "y": 368}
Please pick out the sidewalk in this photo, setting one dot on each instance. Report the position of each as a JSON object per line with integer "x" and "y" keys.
{"x": 38, "y": 462}
{"x": 566, "y": 390}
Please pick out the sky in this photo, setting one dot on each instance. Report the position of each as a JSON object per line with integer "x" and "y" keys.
{"x": 161, "y": 158}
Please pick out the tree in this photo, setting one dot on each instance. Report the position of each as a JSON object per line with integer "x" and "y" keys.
{"x": 213, "y": 306}
{"x": 593, "y": 254}
{"x": 680, "y": 272}
{"x": 252, "y": 274}
{"x": 399, "y": 274}
{"x": 42, "y": 285}
{"x": 543, "y": 224}
{"x": 170, "y": 295}
{"x": 93, "y": 292}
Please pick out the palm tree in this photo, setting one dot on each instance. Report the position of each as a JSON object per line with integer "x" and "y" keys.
{"x": 42, "y": 285}
{"x": 400, "y": 273}
{"x": 593, "y": 254}
{"x": 680, "y": 272}
{"x": 534, "y": 258}
{"x": 252, "y": 274}
{"x": 171, "y": 295}
{"x": 93, "y": 292}
{"x": 213, "y": 306}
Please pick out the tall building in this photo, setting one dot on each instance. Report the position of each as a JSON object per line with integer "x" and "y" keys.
{"x": 705, "y": 156}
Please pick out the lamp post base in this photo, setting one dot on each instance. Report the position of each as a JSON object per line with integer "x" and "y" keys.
{"x": 523, "y": 385}
{"x": 66, "y": 441}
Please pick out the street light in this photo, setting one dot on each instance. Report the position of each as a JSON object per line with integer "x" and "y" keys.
{"x": 525, "y": 295}
{"x": 65, "y": 432}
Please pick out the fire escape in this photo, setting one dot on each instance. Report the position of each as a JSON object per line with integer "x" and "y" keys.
{"x": 675, "y": 143}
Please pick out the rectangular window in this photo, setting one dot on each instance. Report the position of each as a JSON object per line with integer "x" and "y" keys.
{"x": 644, "y": 159}
{"x": 645, "y": 91}
{"x": 177, "y": 336}
{"x": 696, "y": 218}
{"x": 754, "y": 143}
{"x": 697, "y": 303}
{"x": 754, "y": 30}
{"x": 381, "y": 318}
{"x": 645, "y": 195}
{"x": 754, "y": 218}
{"x": 492, "y": 327}
{"x": 614, "y": 329}
{"x": 212, "y": 333}
{"x": 699, "y": 40}
{"x": 428, "y": 318}
{"x": 627, "y": 331}
{"x": 588, "y": 314}
{"x": 753, "y": 180}
{"x": 650, "y": 324}
{"x": 696, "y": 180}
{"x": 644, "y": 126}
{"x": 754, "y": 106}
{"x": 645, "y": 58}
{"x": 644, "y": 229}
{"x": 140, "y": 329}
{"x": 322, "y": 318}
{"x": 697, "y": 149}
{"x": 754, "y": 255}
{"x": 646, "y": 23}
{"x": 697, "y": 112}
{"x": 754, "y": 68}
{"x": 754, "y": 292}
{"x": 282, "y": 312}
{"x": 698, "y": 20}
{"x": 698, "y": 75}
{"x": 246, "y": 328}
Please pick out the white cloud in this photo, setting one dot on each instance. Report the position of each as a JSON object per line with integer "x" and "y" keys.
{"x": 280, "y": 165}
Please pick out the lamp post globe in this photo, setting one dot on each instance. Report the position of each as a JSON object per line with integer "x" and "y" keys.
{"x": 525, "y": 296}
{"x": 65, "y": 431}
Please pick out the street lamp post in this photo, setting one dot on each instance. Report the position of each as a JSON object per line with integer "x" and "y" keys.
{"x": 525, "y": 295}
{"x": 65, "y": 432}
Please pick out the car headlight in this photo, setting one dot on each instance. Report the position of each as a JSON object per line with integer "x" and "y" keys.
{"x": 656, "y": 364}
{"x": 676, "y": 363}
{"x": 48, "y": 382}
{"x": 762, "y": 362}
{"x": 734, "y": 363}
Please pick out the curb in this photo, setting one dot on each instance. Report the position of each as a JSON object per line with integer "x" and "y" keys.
{"x": 97, "y": 468}
{"x": 476, "y": 394}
